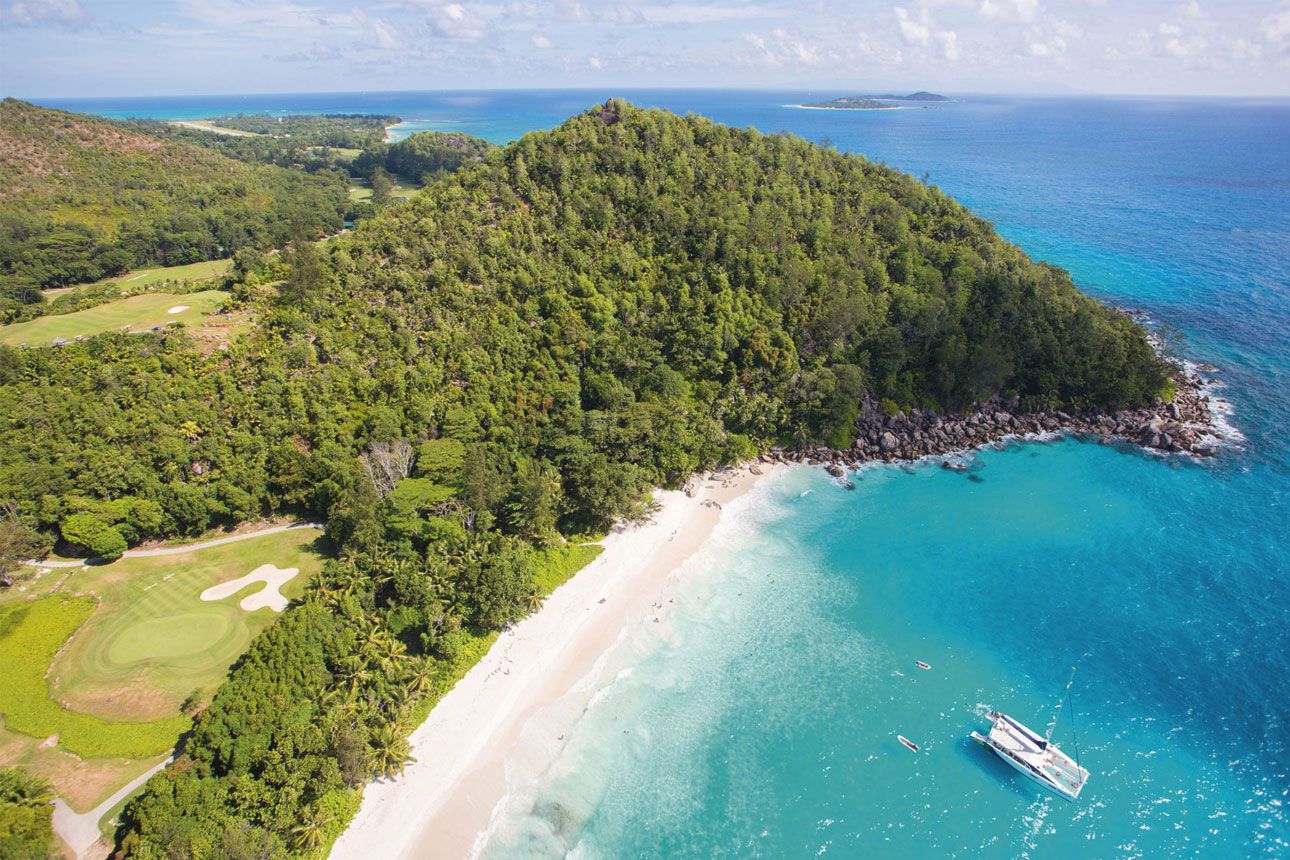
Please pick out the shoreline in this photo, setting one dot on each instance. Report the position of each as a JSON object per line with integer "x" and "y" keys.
{"x": 823, "y": 107}
{"x": 447, "y": 798}
{"x": 1195, "y": 423}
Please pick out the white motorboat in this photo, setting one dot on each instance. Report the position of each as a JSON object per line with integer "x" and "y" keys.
{"x": 1034, "y": 757}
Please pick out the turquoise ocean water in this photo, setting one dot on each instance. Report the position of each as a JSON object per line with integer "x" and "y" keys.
{"x": 759, "y": 719}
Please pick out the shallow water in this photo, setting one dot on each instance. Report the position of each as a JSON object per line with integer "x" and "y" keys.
{"x": 760, "y": 720}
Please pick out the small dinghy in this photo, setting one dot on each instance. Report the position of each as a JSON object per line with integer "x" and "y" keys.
{"x": 920, "y": 664}
{"x": 907, "y": 743}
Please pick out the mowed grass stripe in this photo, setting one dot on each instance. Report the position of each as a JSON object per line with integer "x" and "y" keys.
{"x": 189, "y": 272}
{"x": 139, "y": 312}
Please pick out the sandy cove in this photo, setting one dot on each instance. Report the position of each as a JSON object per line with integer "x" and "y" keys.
{"x": 442, "y": 802}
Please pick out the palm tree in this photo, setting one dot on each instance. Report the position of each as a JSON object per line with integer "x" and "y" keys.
{"x": 392, "y": 654}
{"x": 419, "y": 678}
{"x": 22, "y": 789}
{"x": 308, "y": 835}
{"x": 355, "y": 675}
{"x": 397, "y": 700}
{"x": 390, "y": 750}
{"x": 535, "y": 601}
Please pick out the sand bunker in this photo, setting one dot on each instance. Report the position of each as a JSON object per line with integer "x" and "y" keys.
{"x": 177, "y": 309}
{"x": 270, "y": 597}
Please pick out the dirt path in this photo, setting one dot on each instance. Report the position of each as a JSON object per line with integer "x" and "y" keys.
{"x": 189, "y": 547}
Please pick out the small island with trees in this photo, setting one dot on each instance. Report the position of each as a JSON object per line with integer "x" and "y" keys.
{"x": 879, "y": 102}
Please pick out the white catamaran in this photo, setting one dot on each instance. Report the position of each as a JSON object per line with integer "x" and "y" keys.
{"x": 1035, "y": 757}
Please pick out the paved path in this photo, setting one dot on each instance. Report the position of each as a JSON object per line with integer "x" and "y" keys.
{"x": 81, "y": 831}
{"x": 180, "y": 550}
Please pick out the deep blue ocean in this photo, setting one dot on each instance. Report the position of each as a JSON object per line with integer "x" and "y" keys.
{"x": 760, "y": 719}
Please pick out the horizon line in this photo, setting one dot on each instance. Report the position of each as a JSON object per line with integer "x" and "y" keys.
{"x": 1071, "y": 94}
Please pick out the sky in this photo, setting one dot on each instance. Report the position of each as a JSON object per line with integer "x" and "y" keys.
{"x": 68, "y": 48}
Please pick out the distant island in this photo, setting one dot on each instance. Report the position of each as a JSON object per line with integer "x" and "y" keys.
{"x": 920, "y": 96}
{"x": 881, "y": 102}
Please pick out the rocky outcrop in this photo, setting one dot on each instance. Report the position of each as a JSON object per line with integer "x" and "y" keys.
{"x": 1185, "y": 425}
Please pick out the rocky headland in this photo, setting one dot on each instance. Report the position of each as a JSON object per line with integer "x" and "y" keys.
{"x": 1185, "y": 425}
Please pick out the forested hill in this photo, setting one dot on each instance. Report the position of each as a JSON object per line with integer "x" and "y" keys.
{"x": 84, "y": 198}
{"x": 778, "y": 281}
{"x": 613, "y": 304}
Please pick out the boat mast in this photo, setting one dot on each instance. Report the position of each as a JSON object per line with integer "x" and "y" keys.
{"x": 1048, "y": 735}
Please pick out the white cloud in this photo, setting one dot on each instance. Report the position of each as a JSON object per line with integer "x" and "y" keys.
{"x": 542, "y": 41}
{"x": 914, "y": 32}
{"x": 781, "y": 48}
{"x": 383, "y": 37}
{"x": 1276, "y": 27}
{"x": 1244, "y": 49}
{"x": 256, "y": 18}
{"x": 1026, "y": 9}
{"x": 922, "y": 32}
{"x": 572, "y": 10}
{"x": 1050, "y": 37}
{"x": 455, "y": 21}
{"x": 1170, "y": 41}
{"x": 1063, "y": 28}
{"x": 1045, "y": 47}
{"x": 1023, "y": 9}
{"x": 702, "y": 13}
{"x": 317, "y": 53}
{"x": 65, "y": 14}
{"x": 595, "y": 62}
{"x": 949, "y": 44}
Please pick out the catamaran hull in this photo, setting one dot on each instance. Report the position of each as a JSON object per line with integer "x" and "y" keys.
{"x": 1022, "y": 769}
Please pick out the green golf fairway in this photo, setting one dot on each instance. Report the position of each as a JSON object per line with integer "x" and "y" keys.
{"x": 171, "y": 640}
{"x": 140, "y": 313}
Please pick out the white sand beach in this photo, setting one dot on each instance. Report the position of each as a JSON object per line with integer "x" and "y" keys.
{"x": 207, "y": 125}
{"x": 442, "y": 802}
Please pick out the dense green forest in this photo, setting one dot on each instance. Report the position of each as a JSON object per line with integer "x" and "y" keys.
{"x": 311, "y": 143}
{"x": 328, "y": 141}
{"x": 513, "y": 357}
{"x": 426, "y": 155}
{"x": 86, "y": 198}
{"x": 26, "y": 807}
{"x": 347, "y": 130}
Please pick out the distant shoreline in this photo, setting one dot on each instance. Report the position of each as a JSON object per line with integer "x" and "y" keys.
{"x": 826, "y": 107}
{"x": 209, "y": 125}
